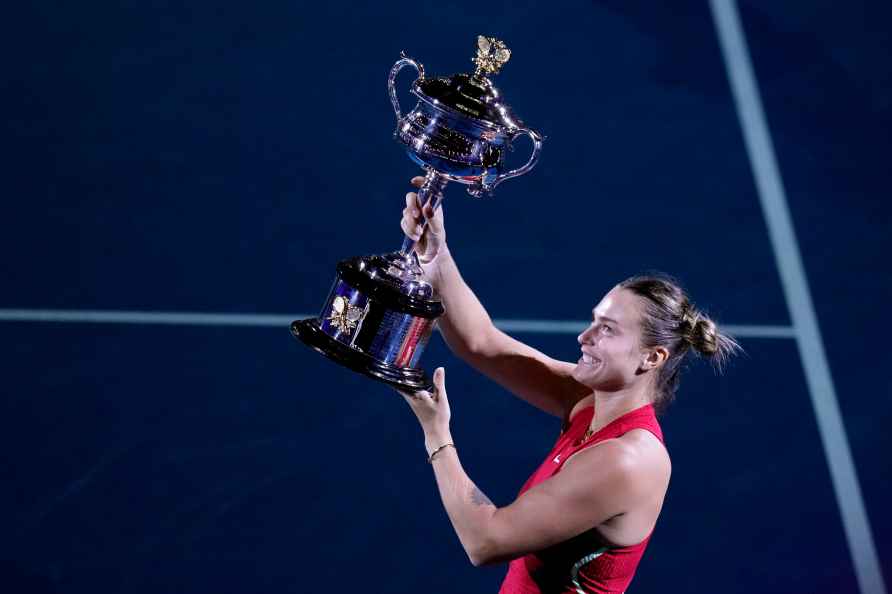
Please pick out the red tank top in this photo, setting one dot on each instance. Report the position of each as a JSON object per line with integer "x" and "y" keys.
{"x": 587, "y": 562}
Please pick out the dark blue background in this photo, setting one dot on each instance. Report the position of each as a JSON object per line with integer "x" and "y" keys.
{"x": 221, "y": 157}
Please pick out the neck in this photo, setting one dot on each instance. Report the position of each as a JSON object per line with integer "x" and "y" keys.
{"x": 610, "y": 406}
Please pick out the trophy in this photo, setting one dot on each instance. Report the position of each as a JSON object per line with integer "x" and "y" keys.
{"x": 380, "y": 311}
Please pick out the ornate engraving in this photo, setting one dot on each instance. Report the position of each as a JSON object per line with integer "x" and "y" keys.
{"x": 439, "y": 140}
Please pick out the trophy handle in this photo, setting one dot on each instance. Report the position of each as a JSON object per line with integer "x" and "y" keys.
{"x": 403, "y": 61}
{"x": 534, "y": 158}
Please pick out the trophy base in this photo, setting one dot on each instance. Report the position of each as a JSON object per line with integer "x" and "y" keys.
{"x": 410, "y": 379}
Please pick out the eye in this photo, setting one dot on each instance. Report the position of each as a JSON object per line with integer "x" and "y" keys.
{"x": 606, "y": 327}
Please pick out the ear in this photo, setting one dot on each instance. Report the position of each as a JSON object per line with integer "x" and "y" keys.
{"x": 654, "y": 358}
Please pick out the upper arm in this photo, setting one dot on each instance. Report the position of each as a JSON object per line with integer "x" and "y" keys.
{"x": 597, "y": 484}
{"x": 544, "y": 382}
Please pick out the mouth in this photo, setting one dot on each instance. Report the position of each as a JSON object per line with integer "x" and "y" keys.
{"x": 588, "y": 360}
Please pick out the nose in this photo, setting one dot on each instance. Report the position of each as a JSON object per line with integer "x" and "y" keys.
{"x": 586, "y": 335}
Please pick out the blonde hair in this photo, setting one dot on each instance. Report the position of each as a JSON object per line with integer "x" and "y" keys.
{"x": 670, "y": 320}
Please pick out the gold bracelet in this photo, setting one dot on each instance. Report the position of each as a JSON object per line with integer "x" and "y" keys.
{"x": 430, "y": 459}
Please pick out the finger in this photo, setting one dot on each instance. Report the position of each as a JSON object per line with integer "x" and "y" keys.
{"x": 429, "y": 211}
{"x": 418, "y": 181}
{"x": 423, "y": 395}
{"x": 439, "y": 384}
{"x": 435, "y": 220}
{"x": 409, "y": 227}
{"x": 412, "y": 203}
{"x": 440, "y": 379}
{"x": 410, "y": 218}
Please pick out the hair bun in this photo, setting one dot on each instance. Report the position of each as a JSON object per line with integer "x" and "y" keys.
{"x": 703, "y": 335}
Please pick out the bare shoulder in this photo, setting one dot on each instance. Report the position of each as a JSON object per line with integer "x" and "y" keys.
{"x": 626, "y": 479}
{"x": 646, "y": 448}
{"x": 638, "y": 454}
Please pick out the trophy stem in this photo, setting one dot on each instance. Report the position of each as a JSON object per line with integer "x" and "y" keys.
{"x": 431, "y": 191}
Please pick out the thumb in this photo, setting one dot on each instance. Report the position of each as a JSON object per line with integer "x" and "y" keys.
{"x": 440, "y": 380}
{"x": 434, "y": 218}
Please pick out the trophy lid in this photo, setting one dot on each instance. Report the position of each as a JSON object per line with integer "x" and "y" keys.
{"x": 474, "y": 94}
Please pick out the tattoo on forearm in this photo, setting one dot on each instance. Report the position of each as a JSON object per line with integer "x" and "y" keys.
{"x": 478, "y": 498}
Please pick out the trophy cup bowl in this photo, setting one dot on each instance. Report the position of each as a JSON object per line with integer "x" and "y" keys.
{"x": 380, "y": 311}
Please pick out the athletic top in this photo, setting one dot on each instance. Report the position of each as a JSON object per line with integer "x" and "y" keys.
{"x": 587, "y": 562}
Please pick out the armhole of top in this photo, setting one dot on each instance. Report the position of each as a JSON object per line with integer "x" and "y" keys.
{"x": 571, "y": 416}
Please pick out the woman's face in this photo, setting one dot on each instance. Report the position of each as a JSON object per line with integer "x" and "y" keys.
{"x": 611, "y": 353}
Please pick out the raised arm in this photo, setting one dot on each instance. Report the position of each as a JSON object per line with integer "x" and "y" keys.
{"x": 470, "y": 333}
{"x": 528, "y": 373}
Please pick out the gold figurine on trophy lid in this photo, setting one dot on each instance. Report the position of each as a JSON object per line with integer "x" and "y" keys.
{"x": 492, "y": 54}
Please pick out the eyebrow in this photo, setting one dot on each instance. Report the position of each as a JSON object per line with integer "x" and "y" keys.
{"x": 605, "y": 318}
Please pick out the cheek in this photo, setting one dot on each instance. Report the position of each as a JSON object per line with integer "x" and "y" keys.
{"x": 624, "y": 353}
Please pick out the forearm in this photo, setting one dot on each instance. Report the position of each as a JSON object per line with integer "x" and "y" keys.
{"x": 469, "y": 510}
{"x": 466, "y": 325}
{"x": 469, "y": 331}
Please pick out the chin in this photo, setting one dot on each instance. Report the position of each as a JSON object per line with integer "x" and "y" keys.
{"x": 584, "y": 376}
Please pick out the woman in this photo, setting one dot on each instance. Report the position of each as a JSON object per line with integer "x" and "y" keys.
{"x": 583, "y": 519}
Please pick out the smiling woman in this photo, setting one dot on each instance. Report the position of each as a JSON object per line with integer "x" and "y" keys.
{"x": 670, "y": 320}
{"x": 582, "y": 521}
{"x": 647, "y": 312}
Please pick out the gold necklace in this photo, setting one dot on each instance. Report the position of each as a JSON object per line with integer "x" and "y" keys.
{"x": 587, "y": 435}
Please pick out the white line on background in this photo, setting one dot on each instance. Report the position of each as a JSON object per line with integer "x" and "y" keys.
{"x": 770, "y": 187}
{"x": 182, "y": 318}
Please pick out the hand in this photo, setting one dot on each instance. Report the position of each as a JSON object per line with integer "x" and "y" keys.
{"x": 432, "y": 410}
{"x": 433, "y": 239}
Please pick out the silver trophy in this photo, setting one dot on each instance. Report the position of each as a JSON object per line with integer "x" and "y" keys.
{"x": 380, "y": 311}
